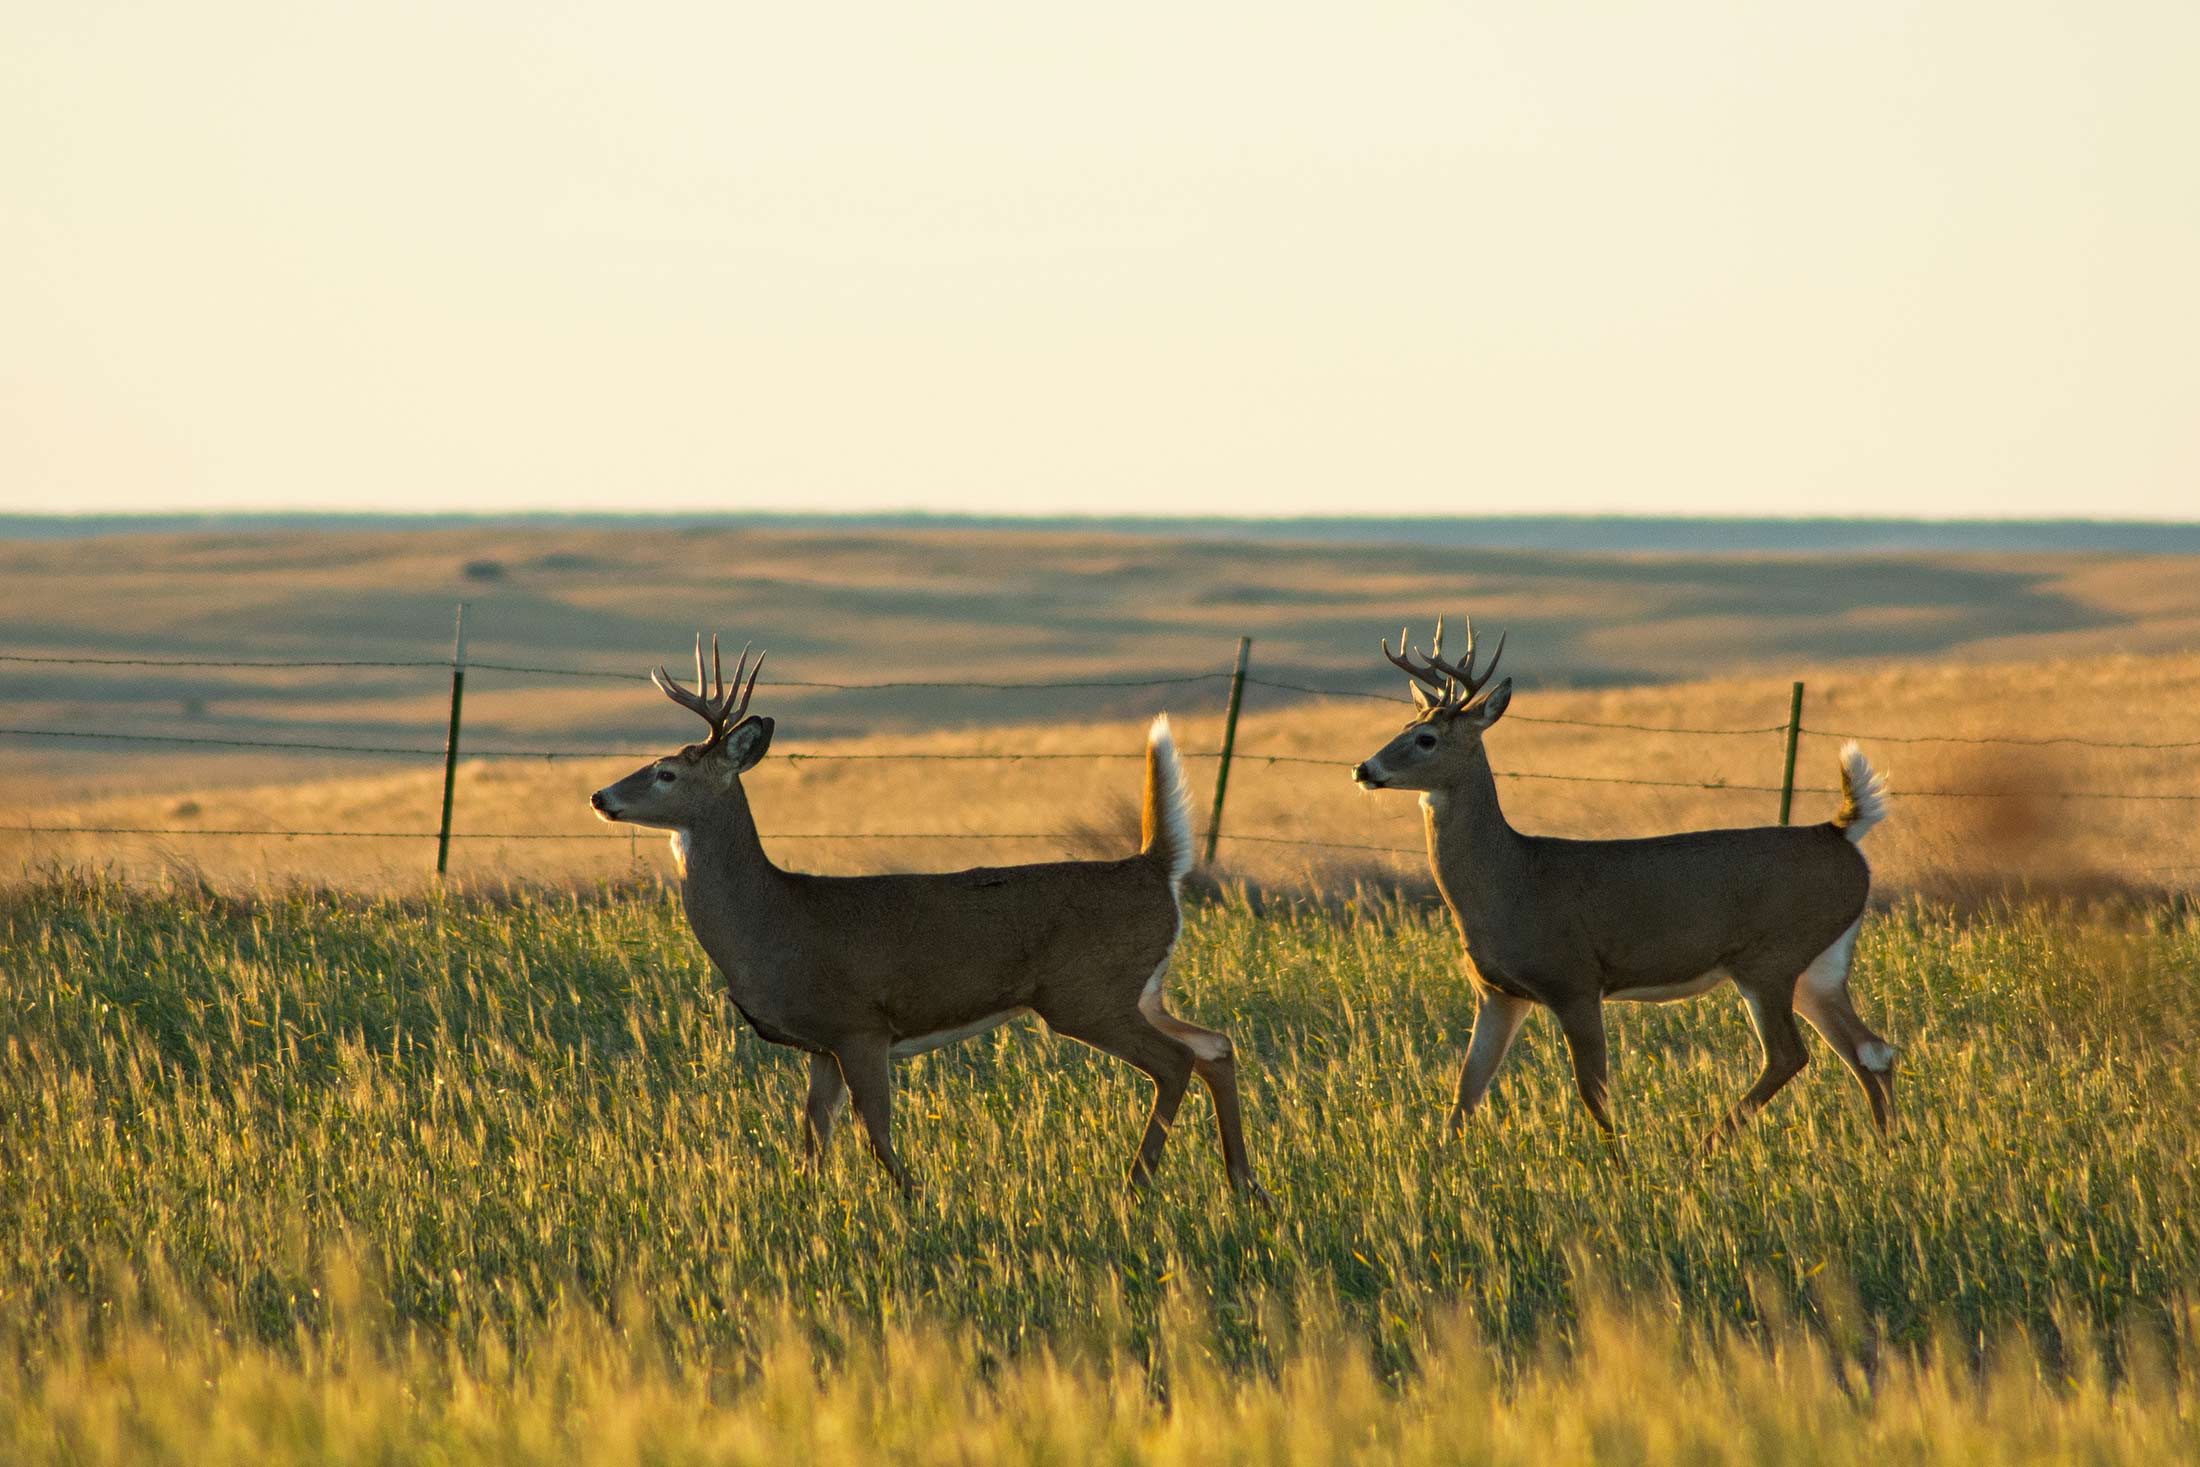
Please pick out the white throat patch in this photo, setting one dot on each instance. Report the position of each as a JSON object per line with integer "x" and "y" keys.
{"x": 680, "y": 852}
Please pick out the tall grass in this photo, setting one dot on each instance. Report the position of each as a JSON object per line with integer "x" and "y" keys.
{"x": 500, "y": 1178}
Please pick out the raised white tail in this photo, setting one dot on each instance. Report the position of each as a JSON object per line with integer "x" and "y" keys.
{"x": 1166, "y": 820}
{"x": 1863, "y": 794}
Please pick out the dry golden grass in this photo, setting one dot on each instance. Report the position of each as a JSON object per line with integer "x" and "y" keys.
{"x": 2035, "y": 835}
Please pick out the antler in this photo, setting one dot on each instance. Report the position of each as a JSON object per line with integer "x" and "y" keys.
{"x": 715, "y": 701}
{"x": 1455, "y": 682}
{"x": 1470, "y": 681}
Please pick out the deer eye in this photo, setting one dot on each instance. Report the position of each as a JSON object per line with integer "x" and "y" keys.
{"x": 666, "y": 776}
{"x": 1426, "y": 741}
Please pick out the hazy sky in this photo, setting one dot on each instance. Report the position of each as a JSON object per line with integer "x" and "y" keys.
{"x": 1687, "y": 257}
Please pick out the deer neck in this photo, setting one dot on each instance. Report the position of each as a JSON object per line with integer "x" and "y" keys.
{"x": 1479, "y": 859}
{"x": 727, "y": 880}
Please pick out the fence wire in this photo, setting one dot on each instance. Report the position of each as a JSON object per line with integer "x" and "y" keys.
{"x": 982, "y": 756}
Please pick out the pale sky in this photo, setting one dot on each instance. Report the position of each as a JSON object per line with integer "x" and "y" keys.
{"x": 1684, "y": 257}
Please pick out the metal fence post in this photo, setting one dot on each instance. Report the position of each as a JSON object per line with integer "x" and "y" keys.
{"x": 1229, "y": 744}
{"x": 1795, "y": 729}
{"x": 450, "y": 743}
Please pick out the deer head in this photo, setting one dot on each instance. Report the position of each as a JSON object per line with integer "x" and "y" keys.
{"x": 1454, "y": 704}
{"x": 670, "y": 792}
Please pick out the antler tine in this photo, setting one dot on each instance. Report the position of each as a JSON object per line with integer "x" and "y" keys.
{"x": 1436, "y": 653}
{"x": 730, "y": 700}
{"x": 1401, "y": 660}
{"x": 670, "y": 687}
{"x": 740, "y": 710}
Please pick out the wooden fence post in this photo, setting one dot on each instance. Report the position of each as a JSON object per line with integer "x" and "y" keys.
{"x": 1229, "y": 744}
{"x": 1795, "y": 729}
{"x": 450, "y": 743}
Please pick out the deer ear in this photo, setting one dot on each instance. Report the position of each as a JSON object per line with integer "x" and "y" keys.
{"x": 1421, "y": 698}
{"x": 745, "y": 745}
{"x": 1490, "y": 707}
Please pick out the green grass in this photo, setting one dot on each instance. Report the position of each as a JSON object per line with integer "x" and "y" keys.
{"x": 500, "y": 1180}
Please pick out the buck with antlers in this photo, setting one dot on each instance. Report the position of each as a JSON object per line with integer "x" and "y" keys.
{"x": 862, "y": 970}
{"x": 1571, "y": 924}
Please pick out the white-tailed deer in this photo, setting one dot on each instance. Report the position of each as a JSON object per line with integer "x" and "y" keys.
{"x": 861, "y": 970}
{"x": 1570, "y": 924}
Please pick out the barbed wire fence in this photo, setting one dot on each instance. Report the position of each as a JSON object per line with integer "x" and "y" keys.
{"x": 1237, "y": 679}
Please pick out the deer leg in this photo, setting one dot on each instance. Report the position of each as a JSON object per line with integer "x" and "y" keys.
{"x": 1214, "y": 1060}
{"x": 1822, "y": 997}
{"x": 1167, "y": 1061}
{"x": 1772, "y": 1013}
{"x": 827, "y": 1091}
{"x": 1495, "y": 1025}
{"x": 866, "y": 1065}
{"x": 1583, "y": 1023}
{"x": 1869, "y": 1058}
{"x": 1220, "y": 1078}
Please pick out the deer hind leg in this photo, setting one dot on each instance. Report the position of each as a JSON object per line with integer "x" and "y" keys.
{"x": 1214, "y": 1060}
{"x": 1772, "y": 1014}
{"x": 1822, "y": 997}
{"x": 1168, "y": 1061}
{"x": 827, "y": 1091}
{"x": 1496, "y": 1024}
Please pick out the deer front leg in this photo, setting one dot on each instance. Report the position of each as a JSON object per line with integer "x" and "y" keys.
{"x": 827, "y": 1091}
{"x": 866, "y": 1065}
{"x": 1495, "y": 1025}
{"x": 1583, "y": 1022}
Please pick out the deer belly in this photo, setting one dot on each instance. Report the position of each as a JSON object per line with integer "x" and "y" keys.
{"x": 778, "y": 1022}
{"x": 910, "y": 1044}
{"x": 1667, "y": 992}
{"x": 771, "y": 1033}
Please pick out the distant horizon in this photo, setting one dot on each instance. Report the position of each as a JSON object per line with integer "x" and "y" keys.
{"x": 317, "y": 512}
{"x": 949, "y": 513}
{"x": 1574, "y": 533}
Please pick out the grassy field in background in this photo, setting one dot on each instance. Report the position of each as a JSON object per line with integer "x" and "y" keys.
{"x": 866, "y": 605}
{"x": 1947, "y": 646}
{"x": 309, "y": 1177}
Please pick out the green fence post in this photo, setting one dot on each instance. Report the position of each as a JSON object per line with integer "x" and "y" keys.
{"x": 1229, "y": 744}
{"x": 450, "y": 743}
{"x": 1795, "y": 729}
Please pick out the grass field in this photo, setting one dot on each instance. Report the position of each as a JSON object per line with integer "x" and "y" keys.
{"x": 349, "y": 1178}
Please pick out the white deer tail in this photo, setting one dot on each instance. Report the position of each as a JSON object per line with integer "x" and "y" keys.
{"x": 1863, "y": 795}
{"x": 1166, "y": 818}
